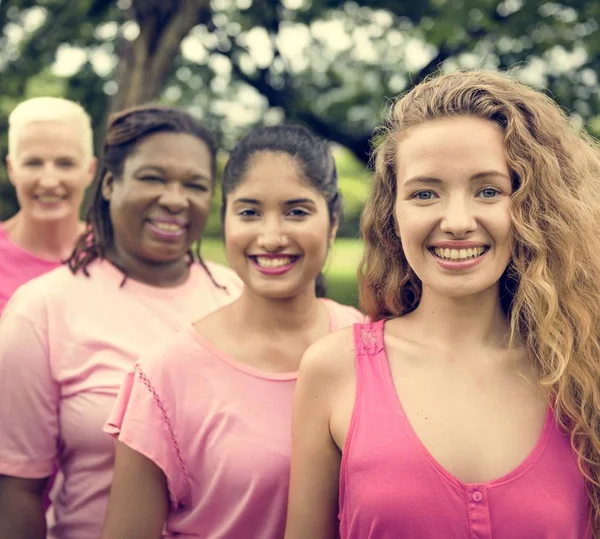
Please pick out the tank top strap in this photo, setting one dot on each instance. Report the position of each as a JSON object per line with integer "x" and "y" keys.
{"x": 368, "y": 338}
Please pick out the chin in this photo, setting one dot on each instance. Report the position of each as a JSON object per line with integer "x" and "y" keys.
{"x": 458, "y": 291}
{"x": 276, "y": 293}
{"x": 165, "y": 257}
{"x": 54, "y": 215}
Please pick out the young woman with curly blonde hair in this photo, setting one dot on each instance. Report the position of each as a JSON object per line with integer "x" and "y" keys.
{"x": 470, "y": 405}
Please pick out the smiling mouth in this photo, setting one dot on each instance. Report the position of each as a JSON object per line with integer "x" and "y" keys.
{"x": 168, "y": 227}
{"x": 458, "y": 255}
{"x": 49, "y": 199}
{"x": 274, "y": 262}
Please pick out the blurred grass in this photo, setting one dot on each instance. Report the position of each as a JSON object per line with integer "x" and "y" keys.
{"x": 340, "y": 269}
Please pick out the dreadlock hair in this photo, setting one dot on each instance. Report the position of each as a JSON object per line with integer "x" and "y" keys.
{"x": 125, "y": 130}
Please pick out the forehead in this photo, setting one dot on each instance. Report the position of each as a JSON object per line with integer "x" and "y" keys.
{"x": 271, "y": 175}
{"x": 50, "y": 137}
{"x": 439, "y": 148}
{"x": 171, "y": 150}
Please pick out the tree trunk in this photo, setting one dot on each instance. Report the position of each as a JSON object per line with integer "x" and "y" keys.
{"x": 145, "y": 62}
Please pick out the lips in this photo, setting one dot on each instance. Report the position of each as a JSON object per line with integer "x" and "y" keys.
{"x": 167, "y": 229}
{"x": 274, "y": 264}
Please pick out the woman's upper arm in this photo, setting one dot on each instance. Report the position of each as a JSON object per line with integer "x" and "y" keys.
{"x": 313, "y": 495}
{"x": 29, "y": 398}
{"x": 139, "y": 499}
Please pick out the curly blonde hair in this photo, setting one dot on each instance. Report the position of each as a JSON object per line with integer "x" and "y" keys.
{"x": 551, "y": 289}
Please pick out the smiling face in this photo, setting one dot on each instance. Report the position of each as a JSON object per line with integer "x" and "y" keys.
{"x": 453, "y": 204}
{"x": 160, "y": 205}
{"x": 277, "y": 228}
{"x": 50, "y": 170}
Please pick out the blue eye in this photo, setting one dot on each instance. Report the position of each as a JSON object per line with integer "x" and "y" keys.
{"x": 489, "y": 192}
{"x": 424, "y": 195}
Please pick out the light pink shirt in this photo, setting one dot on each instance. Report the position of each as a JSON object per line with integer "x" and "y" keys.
{"x": 66, "y": 343}
{"x": 17, "y": 266}
{"x": 219, "y": 430}
{"x": 392, "y": 488}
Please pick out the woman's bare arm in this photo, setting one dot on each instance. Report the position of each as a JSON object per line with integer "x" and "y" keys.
{"x": 139, "y": 498}
{"x": 313, "y": 496}
{"x": 21, "y": 508}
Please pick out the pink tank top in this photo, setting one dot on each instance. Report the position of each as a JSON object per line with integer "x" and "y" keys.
{"x": 392, "y": 488}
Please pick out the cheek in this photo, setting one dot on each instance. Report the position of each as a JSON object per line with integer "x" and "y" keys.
{"x": 237, "y": 238}
{"x": 414, "y": 230}
{"x": 315, "y": 243}
{"x": 202, "y": 204}
{"x": 77, "y": 181}
{"x": 24, "y": 181}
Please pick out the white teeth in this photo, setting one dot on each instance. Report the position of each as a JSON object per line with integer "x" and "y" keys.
{"x": 458, "y": 254}
{"x": 168, "y": 227}
{"x": 49, "y": 199}
{"x": 267, "y": 262}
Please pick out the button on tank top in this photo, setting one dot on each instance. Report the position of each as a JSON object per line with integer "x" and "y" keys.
{"x": 392, "y": 488}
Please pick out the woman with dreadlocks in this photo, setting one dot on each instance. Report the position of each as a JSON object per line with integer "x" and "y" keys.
{"x": 68, "y": 338}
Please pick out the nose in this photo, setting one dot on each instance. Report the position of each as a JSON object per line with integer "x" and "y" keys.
{"x": 173, "y": 197}
{"x": 459, "y": 218}
{"x": 50, "y": 176}
{"x": 272, "y": 236}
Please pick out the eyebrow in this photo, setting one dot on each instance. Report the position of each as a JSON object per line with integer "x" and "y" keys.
{"x": 479, "y": 176}
{"x": 195, "y": 176}
{"x": 291, "y": 202}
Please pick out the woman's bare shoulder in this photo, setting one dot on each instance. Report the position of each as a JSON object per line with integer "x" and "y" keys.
{"x": 331, "y": 356}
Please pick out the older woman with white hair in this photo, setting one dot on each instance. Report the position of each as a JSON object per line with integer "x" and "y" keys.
{"x": 50, "y": 163}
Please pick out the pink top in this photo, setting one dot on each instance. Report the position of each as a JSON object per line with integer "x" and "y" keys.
{"x": 66, "y": 343}
{"x": 219, "y": 430}
{"x": 17, "y": 266}
{"x": 392, "y": 488}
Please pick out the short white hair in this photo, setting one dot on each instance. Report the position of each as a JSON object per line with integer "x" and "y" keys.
{"x": 43, "y": 109}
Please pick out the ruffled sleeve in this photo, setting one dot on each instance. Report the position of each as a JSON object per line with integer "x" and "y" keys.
{"x": 140, "y": 419}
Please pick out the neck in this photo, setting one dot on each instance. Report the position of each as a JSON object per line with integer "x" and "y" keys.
{"x": 159, "y": 274}
{"x": 462, "y": 322}
{"x": 53, "y": 240}
{"x": 257, "y": 314}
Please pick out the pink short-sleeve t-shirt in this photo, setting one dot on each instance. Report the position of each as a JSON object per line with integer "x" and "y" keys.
{"x": 220, "y": 431}
{"x": 17, "y": 266}
{"x": 66, "y": 343}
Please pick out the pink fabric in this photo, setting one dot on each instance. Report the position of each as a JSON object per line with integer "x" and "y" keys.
{"x": 17, "y": 266}
{"x": 392, "y": 488}
{"x": 220, "y": 431}
{"x": 66, "y": 343}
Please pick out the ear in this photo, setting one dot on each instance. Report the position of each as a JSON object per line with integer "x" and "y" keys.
{"x": 333, "y": 231}
{"x": 91, "y": 171}
{"x": 10, "y": 169}
{"x": 108, "y": 183}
